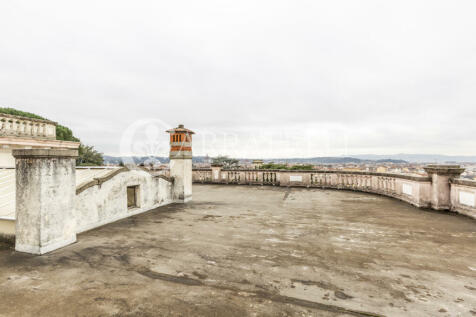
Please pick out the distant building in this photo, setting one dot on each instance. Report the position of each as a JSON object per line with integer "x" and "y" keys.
{"x": 256, "y": 164}
{"x": 381, "y": 169}
{"x": 18, "y": 132}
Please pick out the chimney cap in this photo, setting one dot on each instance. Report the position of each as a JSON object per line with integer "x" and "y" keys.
{"x": 180, "y": 129}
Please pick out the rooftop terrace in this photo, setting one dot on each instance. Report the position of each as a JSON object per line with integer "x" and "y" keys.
{"x": 248, "y": 251}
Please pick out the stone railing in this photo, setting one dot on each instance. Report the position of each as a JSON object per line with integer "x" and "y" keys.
{"x": 17, "y": 126}
{"x": 412, "y": 189}
{"x": 432, "y": 191}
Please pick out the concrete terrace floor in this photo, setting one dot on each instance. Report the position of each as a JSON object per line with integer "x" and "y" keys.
{"x": 256, "y": 251}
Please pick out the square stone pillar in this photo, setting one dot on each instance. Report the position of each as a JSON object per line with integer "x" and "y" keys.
{"x": 45, "y": 190}
{"x": 440, "y": 184}
{"x": 216, "y": 173}
{"x": 181, "y": 171}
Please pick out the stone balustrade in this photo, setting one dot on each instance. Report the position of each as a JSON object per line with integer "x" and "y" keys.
{"x": 416, "y": 190}
{"x": 17, "y": 126}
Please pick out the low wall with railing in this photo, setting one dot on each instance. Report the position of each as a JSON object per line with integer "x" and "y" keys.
{"x": 412, "y": 189}
{"x": 26, "y": 127}
{"x": 416, "y": 190}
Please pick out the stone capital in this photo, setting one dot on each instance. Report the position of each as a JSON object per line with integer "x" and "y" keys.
{"x": 448, "y": 170}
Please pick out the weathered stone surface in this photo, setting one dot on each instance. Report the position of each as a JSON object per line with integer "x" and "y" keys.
{"x": 441, "y": 176}
{"x": 45, "y": 190}
{"x": 256, "y": 251}
{"x": 44, "y": 153}
{"x": 181, "y": 172}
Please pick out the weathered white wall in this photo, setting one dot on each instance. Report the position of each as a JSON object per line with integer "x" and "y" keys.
{"x": 107, "y": 202}
{"x": 7, "y": 227}
{"x": 6, "y": 158}
{"x": 45, "y": 189}
{"x": 181, "y": 171}
{"x": 463, "y": 197}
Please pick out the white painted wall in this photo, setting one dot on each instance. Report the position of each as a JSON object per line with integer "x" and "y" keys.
{"x": 466, "y": 198}
{"x": 6, "y": 158}
{"x": 181, "y": 171}
{"x": 102, "y": 204}
{"x": 295, "y": 178}
{"x": 463, "y": 199}
{"x": 407, "y": 189}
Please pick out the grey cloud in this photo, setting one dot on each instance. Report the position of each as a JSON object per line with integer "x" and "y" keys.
{"x": 347, "y": 76}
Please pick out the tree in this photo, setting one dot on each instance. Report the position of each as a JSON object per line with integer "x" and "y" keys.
{"x": 65, "y": 134}
{"x": 305, "y": 167}
{"x": 88, "y": 156}
{"x": 225, "y": 161}
{"x": 273, "y": 166}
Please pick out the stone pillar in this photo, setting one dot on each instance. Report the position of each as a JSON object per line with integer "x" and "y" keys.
{"x": 440, "y": 184}
{"x": 181, "y": 163}
{"x": 284, "y": 179}
{"x": 181, "y": 171}
{"x": 45, "y": 190}
{"x": 216, "y": 173}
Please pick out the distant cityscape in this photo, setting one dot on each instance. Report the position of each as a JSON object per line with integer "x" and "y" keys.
{"x": 380, "y": 164}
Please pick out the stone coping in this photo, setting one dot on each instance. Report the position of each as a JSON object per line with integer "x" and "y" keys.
{"x": 443, "y": 166}
{"x": 180, "y": 156}
{"x": 444, "y": 169}
{"x": 44, "y": 153}
{"x": 100, "y": 180}
{"x": 106, "y": 167}
{"x": 25, "y": 140}
{"x": 408, "y": 177}
{"x": 16, "y": 136}
{"x": 180, "y": 129}
{"x": 27, "y": 118}
{"x": 465, "y": 182}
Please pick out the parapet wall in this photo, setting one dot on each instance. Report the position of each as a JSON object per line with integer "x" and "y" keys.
{"x": 463, "y": 197}
{"x": 18, "y": 126}
{"x": 104, "y": 200}
{"x": 416, "y": 190}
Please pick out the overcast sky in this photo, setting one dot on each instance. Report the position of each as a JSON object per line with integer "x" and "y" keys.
{"x": 253, "y": 78}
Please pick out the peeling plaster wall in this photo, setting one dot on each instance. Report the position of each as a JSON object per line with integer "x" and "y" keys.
{"x": 105, "y": 203}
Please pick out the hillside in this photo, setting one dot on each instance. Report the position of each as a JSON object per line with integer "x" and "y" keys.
{"x": 202, "y": 159}
{"x": 422, "y": 158}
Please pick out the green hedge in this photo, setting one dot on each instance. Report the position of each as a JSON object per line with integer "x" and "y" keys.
{"x": 62, "y": 133}
{"x": 88, "y": 156}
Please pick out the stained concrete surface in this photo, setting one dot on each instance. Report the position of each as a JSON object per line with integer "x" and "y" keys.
{"x": 256, "y": 251}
